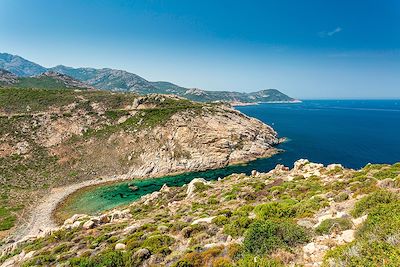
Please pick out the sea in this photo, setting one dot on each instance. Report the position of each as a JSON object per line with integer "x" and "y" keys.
{"x": 349, "y": 132}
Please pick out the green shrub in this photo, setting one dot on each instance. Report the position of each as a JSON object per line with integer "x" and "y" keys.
{"x": 158, "y": 243}
{"x": 327, "y": 226}
{"x": 372, "y": 200}
{"x": 200, "y": 187}
{"x": 220, "y": 220}
{"x": 108, "y": 258}
{"x": 282, "y": 209}
{"x": 252, "y": 261}
{"x": 267, "y": 236}
{"x": 383, "y": 223}
{"x": 237, "y": 226}
{"x": 342, "y": 196}
{"x": 309, "y": 207}
{"x": 363, "y": 253}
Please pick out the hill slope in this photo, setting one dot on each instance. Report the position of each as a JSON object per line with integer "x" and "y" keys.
{"x": 46, "y": 80}
{"x": 311, "y": 215}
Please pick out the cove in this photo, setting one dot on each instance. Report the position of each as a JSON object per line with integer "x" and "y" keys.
{"x": 350, "y": 132}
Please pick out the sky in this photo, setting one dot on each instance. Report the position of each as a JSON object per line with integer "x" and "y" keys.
{"x": 310, "y": 49}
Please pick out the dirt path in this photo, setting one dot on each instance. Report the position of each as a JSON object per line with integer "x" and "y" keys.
{"x": 41, "y": 216}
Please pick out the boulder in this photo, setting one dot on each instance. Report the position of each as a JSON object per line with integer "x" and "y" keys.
{"x": 120, "y": 246}
{"x": 347, "y": 236}
{"x": 305, "y": 223}
{"x": 142, "y": 254}
{"x": 359, "y": 221}
{"x": 76, "y": 224}
{"x": 88, "y": 225}
{"x": 203, "y": 220}
{"x": 191, "y": 186}
{"x": 332, "y": 167}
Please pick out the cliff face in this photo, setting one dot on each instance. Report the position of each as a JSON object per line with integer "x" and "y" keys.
{"x": 55, "y": 137}
{"x": 196, "y": 142}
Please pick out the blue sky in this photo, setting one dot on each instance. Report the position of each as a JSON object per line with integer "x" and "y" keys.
{"x": 307, "y": 49}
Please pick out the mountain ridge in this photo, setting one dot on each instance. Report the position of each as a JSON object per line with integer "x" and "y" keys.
{"x": 121, "y": 80}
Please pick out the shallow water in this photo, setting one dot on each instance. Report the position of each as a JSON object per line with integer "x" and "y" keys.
{"x": 350, "y": 132}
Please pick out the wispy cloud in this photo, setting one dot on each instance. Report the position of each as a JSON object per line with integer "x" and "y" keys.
{"x": 329, "y": 33}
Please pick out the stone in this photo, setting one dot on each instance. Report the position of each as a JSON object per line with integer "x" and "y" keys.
{"x": 76, "y": 224}
{"x": 332, "y": 167}
{"x": 305, "y": 223}
{"x": 29, "y": 255}
{"x": 120, "y": 246}
{"x": 165, "y": 188}
{"x": 300, "y": 163}
{"x": 191, "y": 186}
{"x": 359, "y": 221}
{"x": 88, "y": 225}
{"x": 142, "y": 254}
{"x": 104, "y": 218}
{"x": 203, "y": 220}
{"x": 347, "y": 236}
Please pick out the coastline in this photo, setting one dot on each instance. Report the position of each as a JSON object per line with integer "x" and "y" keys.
{"x": 241, "y": 104}
{"x": 42, "y": 219}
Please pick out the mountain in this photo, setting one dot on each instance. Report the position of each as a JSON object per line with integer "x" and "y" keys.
{"x": 120, "y": 80}
{"x": 20, "y": 66}
{"x": 46, "y": 80}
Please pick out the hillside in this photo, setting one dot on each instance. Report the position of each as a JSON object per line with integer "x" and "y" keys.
{"x": 311, "y": 215}
{"x": 56, "y": 137}
{"x": 46, "y": 80}
{"x": 119, "y": 80}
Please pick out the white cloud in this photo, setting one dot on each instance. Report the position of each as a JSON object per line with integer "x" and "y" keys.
{"x": 330, "y": 33}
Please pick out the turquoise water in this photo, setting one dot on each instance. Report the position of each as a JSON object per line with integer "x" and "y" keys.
{"x": 350, "y": 132}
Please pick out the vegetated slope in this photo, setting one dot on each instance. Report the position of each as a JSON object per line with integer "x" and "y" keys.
{"x": 310, "y": 215}
{"x": 55, "y": 137}
{"x": 46, "y": 80}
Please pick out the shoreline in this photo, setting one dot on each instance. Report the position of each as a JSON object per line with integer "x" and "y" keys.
{"x": 42, "y": 220}
{"x": 242, "y": 104}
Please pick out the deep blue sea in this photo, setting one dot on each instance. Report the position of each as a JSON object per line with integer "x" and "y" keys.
{"x": 350, "y": 132}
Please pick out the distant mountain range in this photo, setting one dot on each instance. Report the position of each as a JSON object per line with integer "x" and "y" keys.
{"x": 117, "y": 80}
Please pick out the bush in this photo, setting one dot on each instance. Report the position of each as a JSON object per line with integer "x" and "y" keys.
{"x": 327, "y": 226}
{"x": 252, "y": 261}
{"x": 342, "y": 196}
{"x": 383, "y": 223}
{"x": 309, "y": 207}
{"x": 372, "y": 200}
{"x": 237, "y": 226}
{"x": 273, "y": 210}
{"x": 363, "y": 253}
{"x": 158, "y": 243}
{"x": 267, "y": 236}
{"x": 220, "y": 220}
